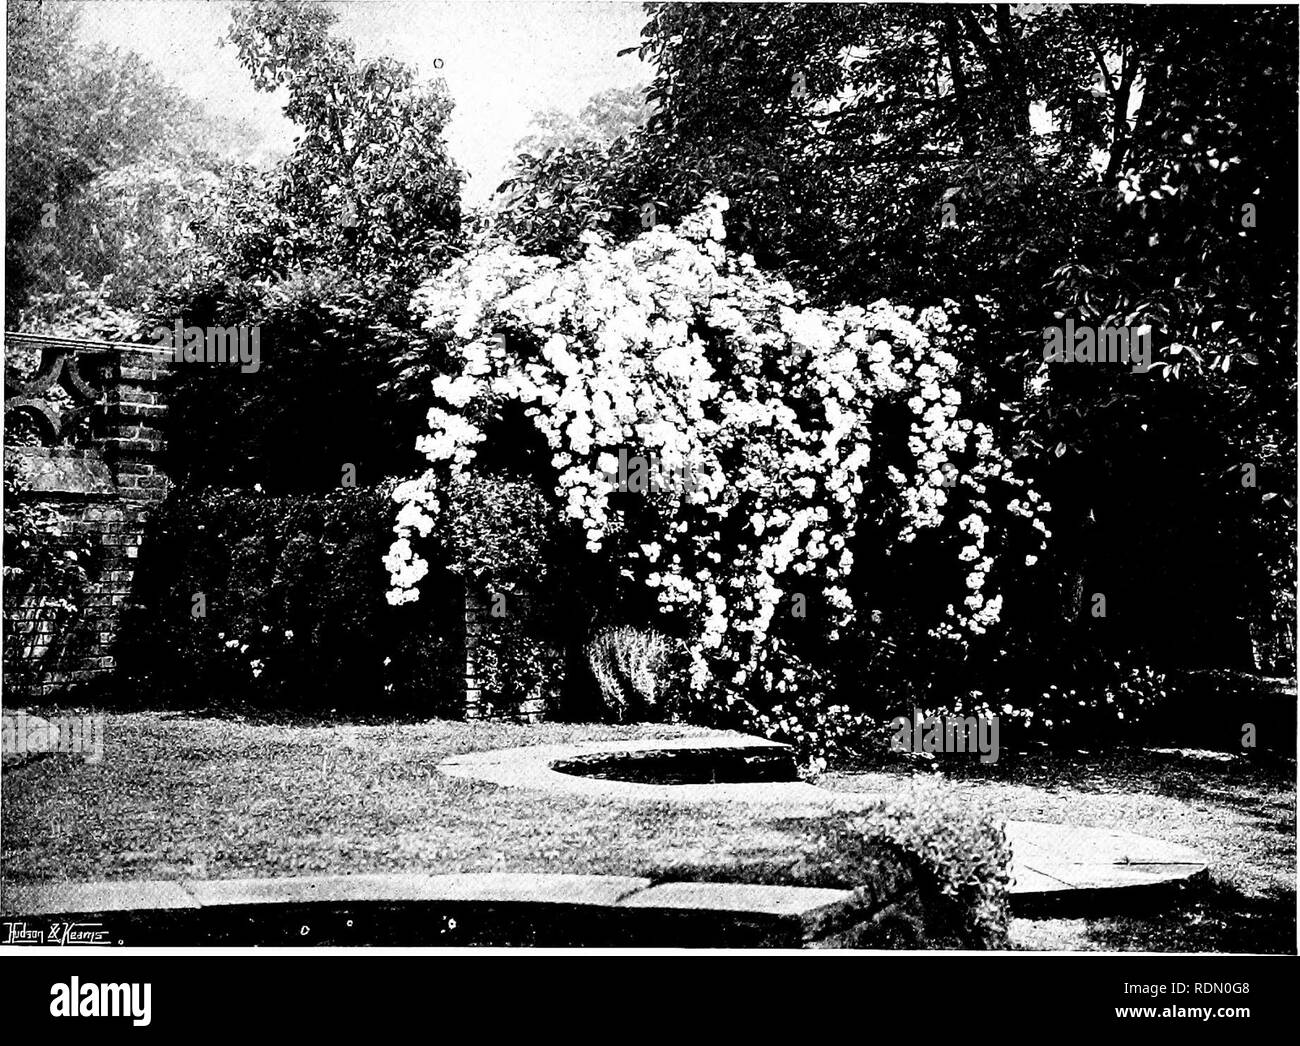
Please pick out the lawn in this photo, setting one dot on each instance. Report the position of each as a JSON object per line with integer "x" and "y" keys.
{"x": 178, "y": 795}
{"x": 1240, "y": 813}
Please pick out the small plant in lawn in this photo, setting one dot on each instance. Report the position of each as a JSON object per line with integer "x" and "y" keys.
{"x": 634, "y": 672}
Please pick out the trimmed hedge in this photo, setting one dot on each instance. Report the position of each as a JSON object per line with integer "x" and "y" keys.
{"x": 278, "y": 603}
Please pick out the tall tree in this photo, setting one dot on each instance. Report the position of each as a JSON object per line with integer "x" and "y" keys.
{"x": 321, "y": 253}
{"x": 369, "y": 184}
{"x": 607, "y": 115}
{"x": 75, "y": 114}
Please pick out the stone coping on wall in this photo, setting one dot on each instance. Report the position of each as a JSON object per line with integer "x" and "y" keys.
{"x": 64, "y": 471}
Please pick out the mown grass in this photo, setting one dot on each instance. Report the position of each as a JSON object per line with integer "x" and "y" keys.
{"x": 179, "y": 795}
{"x": 1238, "y": 811}
{"x": 219, "y": 798}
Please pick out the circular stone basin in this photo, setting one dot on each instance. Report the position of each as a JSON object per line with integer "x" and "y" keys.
{"x": 685, "y": 766}
{"x": 1050, "y": 862}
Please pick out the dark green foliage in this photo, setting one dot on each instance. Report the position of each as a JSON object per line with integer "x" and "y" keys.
{"x": 48, "y": 563}
{"x": 369, "y": 186}
{"x": 314, "y": 405}
{"x": 294, "y": 610}
{"x": 102, "y": 159}
{"x": 517, "y": 660}
{"x": 321, "y": 254}
{"x": 500, "y": 536}
{"x": 498, "y": 531}
{"x": 550, "y": 200}
{"x": 840, "y": 132}
{"x": 957, "y": 854}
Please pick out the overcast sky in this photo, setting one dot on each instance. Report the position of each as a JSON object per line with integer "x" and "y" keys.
{"x": 502, "y": 59}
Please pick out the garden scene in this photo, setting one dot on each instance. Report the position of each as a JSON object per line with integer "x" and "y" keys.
{"x": 831, "y": 485}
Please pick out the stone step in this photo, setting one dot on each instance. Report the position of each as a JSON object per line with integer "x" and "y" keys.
{"x": 473, "y": 908}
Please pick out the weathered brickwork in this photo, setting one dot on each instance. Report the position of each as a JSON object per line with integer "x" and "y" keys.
{"x": 105, "y": 492}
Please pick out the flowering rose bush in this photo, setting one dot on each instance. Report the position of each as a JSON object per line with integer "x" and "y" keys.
{"x": 672, "y": 348}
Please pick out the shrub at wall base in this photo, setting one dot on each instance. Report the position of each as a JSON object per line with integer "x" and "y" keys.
{"x": 271, "y": 603}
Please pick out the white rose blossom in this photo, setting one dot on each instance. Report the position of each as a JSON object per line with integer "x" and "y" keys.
{"x": 763, "y": 469}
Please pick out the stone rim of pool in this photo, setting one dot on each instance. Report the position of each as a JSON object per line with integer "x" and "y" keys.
{"x": 1050, "y": 862}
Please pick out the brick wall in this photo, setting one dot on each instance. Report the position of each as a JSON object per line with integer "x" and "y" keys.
{"x": 106, "y": 492}
{"x": 478, "y": 619}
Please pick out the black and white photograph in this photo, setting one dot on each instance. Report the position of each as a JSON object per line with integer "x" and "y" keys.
{"x": 556, "y": 476}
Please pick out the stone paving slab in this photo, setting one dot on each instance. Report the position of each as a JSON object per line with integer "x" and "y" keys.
{"x": 1028, "y": 881}
{"x": 797, "y": 901}
{"x": 1058, "y": 859}
{"x": 537, "y": 888}
{"x": 64, "y": 898}
{"x": 799, "y": 914}
{"x": 485, "y": 887}
{"x": 210, "y": 893}
{"x": 615, "y": 910}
